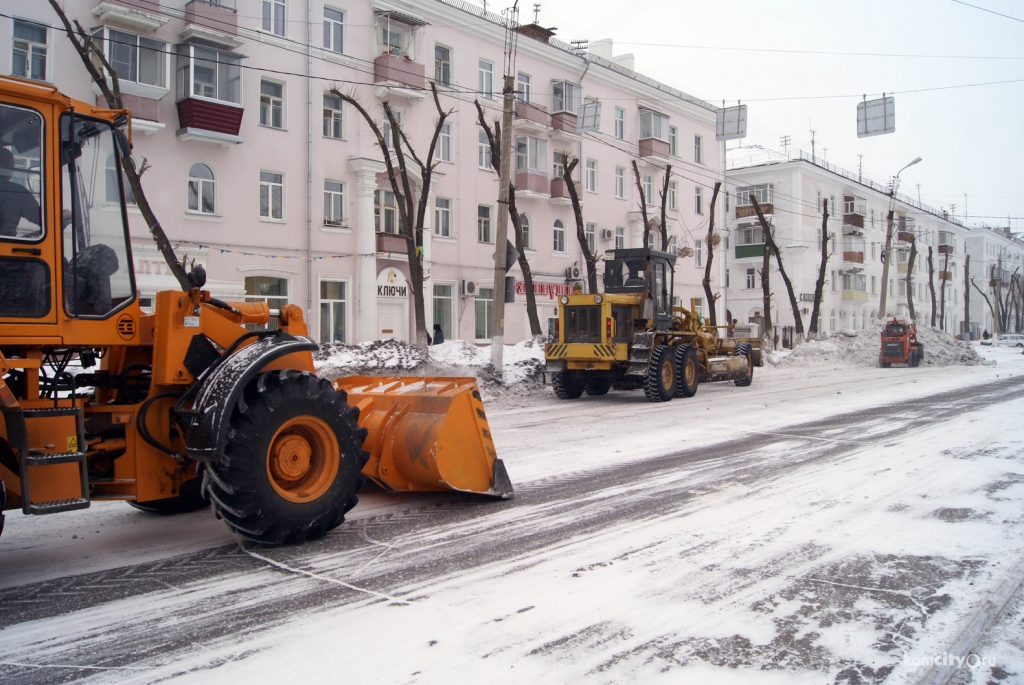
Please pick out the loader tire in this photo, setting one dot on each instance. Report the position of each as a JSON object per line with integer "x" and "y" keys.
{"x": 743, "y": 350}
{"x": 191, "y": 497}
{"x": 568, "y": 385}
{"x": 291, "y": 468}
{"x": 598, "y": 383}
{"x": 660, "y": 381}
{"x": 687, "y": 371}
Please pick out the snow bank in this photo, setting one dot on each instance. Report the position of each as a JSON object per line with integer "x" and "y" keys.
{"x": 860, "y": 348}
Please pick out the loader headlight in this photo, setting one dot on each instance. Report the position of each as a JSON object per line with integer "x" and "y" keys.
{"x": 564, "y": 299}
{"x": 598, "y": 299}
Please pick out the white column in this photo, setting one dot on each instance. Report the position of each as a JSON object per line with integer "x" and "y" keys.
{"x": 365, "y": 247}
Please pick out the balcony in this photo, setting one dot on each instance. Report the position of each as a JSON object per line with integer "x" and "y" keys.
{"x": 531, "y": 116}
{"x": 945, "y": 275}
{"x": 559, "y": 193}
{"x": 855, "y": 295}
{"x": 390, "y": 68}
{"x": 745, "y": 251}
{"x": 132, "y": 14}
{"x": 532, "y": 185}
{"x": 212, "y": 23}
{"x": 654, "y": 149}
{"x": 391, "y": 242}
{"x": 209, "y": 121}
{"x": 855, "y": 257}
{"x": 745, "y": 211}
{"x": 945, "y": 249}
{"x": 853, "y": 220}
{"x": 902, "y": 268}
{"x": 905, "y": 237}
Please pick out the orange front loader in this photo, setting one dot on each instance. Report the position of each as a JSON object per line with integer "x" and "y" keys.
{"x": 195, "y": 402}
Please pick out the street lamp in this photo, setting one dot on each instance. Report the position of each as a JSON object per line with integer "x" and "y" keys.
{"x": 888, "y": 239}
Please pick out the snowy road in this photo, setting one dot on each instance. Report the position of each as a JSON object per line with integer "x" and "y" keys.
{"x": 823, "y": 525}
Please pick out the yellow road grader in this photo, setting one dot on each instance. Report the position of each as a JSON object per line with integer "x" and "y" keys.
{"x": 199, "y": 401}
{"x": 631, "y": 337}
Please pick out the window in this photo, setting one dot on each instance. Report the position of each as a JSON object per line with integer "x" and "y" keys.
{"x": 271, "y": 104}
{"x": 442, "y": 65}
{"x": 653, "y": 125}
{"x": 698, "y": 200}
{"x": 29, "y": 57}
{"x": 872, "y": 217}
{"x": 620, "y": 123}
{"x": 834, "y": 282}
{"x": 385, "y": 213}
{"x": 485, "y": 79}
{"x": 620, "y": 238}
{"x": 698, "y": 253}
{"x": 592, "y": 175}
{"x": 531, "y": 155}
{"x": 136, "y": 59}
{"x": 698, "y": 306}
{"x": 673, "y": 187}
{"x": 334, "y": 203}
{"x": 749, "y": 234}
{"x": 484, "y": 303}
{"x": 819, "y": 201}
{"x": 763, "y": 192}
{"x": 443, "y": 217}
{"x": 524, "y": 223}
{"x": 832, "y": 321}
{"x": 443, "y": 308}
{"x": 273, "y": 291}
{"x": 558, "y": 167}
{"x": 206, "y": 73}
{"x": 947, "y": 238}
{"x": 874, "y": 285}
{"x": 273, "y": 16}
{"x": 858, "y": 282}
{"x": 673, "y": 141}
{"x": 650, "y": 239}
{"x": 443, "y": 152}
{"x": 202, "y": 189}
{"x": 854, "y": 205}
{"x": 620, "y": 182}
{"x": 483, "y": 152}
{"x": 334, "y": 120}
{"x": 483, "y": 224}
{"x": 271, "y": 195}
{"x": 113, "y": 192}
{"x": 523, "y": 87}
{"x": 648, "y": 184}
{"x": 590, "y": 231}
{"x": 332, "y": 311}
{"x": 566, "y": 97}
{"x": 334, "y": 30}
{"x": 698, "y": 149}
{"x": 385, "y": 129}
{"x": 559, "y": 236}
{"x": 751, "y": 279}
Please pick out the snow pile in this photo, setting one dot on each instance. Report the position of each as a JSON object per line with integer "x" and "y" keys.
{"x": 375, "y": 358}
{"x": 861, "y": 348}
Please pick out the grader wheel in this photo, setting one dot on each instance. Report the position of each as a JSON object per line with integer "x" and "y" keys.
{"x": 568, "y": 385}
{"x": 743, "y": 350}
{"x": 689, "y": 371}
{"x": 292, "y": 465}
{"x": 660, "y": 382}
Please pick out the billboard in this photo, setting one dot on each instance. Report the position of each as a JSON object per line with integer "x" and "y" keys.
{"x": 876, "y": 117}
{"x": 731, "y": 123}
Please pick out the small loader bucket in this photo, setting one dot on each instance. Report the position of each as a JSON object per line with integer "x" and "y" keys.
{"x": 426, "y": 434}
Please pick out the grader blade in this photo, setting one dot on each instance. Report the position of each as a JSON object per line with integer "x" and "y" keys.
{"x": 426, "y": 434}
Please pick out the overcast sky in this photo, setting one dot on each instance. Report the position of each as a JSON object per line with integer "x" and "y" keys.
{"x": 970, "y": 138}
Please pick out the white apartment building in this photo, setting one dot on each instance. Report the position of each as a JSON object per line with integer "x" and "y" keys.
{"x": 279, "y": 188}
{"x": 996, "y": 256}
{"x": 793, "y": 194}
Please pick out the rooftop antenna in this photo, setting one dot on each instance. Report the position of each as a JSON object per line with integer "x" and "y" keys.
{"x": 826, "y": 154}
{"x": 812, "y": 144}
{"x": 784, "y": 142}
{"x": 860, "y": 167}
{"x": 485, "y": 6}
{"x": 536, "y": 13}
{"x": 580, "y": 46}
{"x": 919, "y": 193}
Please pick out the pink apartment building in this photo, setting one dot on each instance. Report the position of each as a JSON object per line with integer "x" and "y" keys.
{"x": 277, "y": 188}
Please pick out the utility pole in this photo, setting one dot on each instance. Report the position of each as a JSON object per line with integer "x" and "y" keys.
{"x": 784, "y": 141}
{"x": 504, "y": 175}
{"x": 812, "y": 144}
{"x": 888, "y": 240}
{"x": 860, "y": 167}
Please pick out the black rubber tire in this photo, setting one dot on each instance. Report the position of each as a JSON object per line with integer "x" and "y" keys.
{"x": 743, "y": 350}
{"x": 660, "y": 381}
{"x": 598, "y": 383}
{"x": 884, "y": 365}
{"x": 239, "y": 485}
{"x": 568, "y": 385}
{"x": 191, "y": 497}
{"x": 686, "y": 356}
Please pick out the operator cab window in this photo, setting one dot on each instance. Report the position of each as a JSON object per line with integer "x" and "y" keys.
{"x": 21, "y": 198}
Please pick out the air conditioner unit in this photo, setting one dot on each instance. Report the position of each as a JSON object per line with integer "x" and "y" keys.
{"x": 606, "y": 234}
{"x": 572, "y": 273}
{"x": 469, "y": 288}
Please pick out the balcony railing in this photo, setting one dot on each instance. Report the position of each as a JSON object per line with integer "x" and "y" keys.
{"x": 853, "y": 220}
{"x": 219, "y": 16}
{"x": 745, "y": 211}
{"x": 398, "y": 69}
{"x": 652, "y": 147}
{"x": 945, "y": 275}
{"x": 743, "y": 251}
{"x": 529, "y": 111}
{"x": 856, "y": 257}
{"x": 533, "y": 183}
{"x": 391, "y": 242}
{"x": 205, "y": 115}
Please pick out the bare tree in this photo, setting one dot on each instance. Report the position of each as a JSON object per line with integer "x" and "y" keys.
{"x": 943, "y": 277}
{"x": 412, "y": 210}
{"x": 769, "y": 239}
{"x": 90, "y": 53}
{"x": 819, "y": 286}
{"x": 931, "y": 283}
{"x": 910, "y": 280}
{"x": 581, "y": 235}
{"x": 494, "y": 141}
{"x": 967, "y": 297}
{"x": 991, "y": 309}
{"x": 664, "y": 215}
{"x": 643, "y": 203}
{"x": 712, "y": 299}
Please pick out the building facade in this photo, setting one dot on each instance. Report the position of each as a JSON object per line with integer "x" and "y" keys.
{"x": 997, "y": 267}
{"x": 278, "y": 188}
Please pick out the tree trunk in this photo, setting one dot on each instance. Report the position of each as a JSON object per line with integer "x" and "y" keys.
{"x": 942, "y": 294}
{"x": 643, "y": 203}
{"x": 991, "y": 309}
{"x": 581, "y": 235}
{"x": 931, "y": 282}
{"x": 664, "y": 216}
{"x": 711, "y": 299}
{"x": 967, "y": 297}
{"x": 819, "y": 286}
{"x": 766, "y": 297}
{"x": 769, "y": 240}
{"x": 910, "y": 280}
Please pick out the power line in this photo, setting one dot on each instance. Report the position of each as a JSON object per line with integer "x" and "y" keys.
{"x": 818, "y": 52}
{"x": 984, "y": 9}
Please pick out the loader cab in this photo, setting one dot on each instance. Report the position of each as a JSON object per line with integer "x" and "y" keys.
{"x": 645, "y": 272}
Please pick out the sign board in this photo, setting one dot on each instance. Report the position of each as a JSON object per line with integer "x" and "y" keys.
{"x": 590, "y": 117}
{"x": 391, "y": 283}
{"x": 731, "y": 123}
{"x": 876, "y": 117}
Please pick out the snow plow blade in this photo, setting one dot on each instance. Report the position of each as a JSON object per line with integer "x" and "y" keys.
{"x": 426, "y": 434}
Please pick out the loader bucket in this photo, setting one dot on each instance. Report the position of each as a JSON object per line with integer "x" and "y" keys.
{"x": 426, "y": 434}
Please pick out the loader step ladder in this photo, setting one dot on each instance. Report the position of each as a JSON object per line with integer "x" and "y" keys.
{"x": 16, "y": 420}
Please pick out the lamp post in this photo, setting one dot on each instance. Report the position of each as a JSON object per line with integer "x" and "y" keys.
{"x": 888, "y": 240}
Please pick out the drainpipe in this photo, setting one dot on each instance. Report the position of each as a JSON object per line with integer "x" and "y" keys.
{"x": 309, "y": 163}
{"x": 725, "y": 253}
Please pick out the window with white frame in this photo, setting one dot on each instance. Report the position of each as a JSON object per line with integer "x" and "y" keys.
{"x": 483, "y": 152}
{"x": 113, "y": 190}
{"x": 385, "y": 213}
{"x": 485, "y": 79}
{"x": 483, "y": 224}
{"x": 620, "y": 238}
{"x": 385, "y": 128}
{"x": 653, "y": 125}
{"x": 620, "y": 123}
{"x": 531, "y": 155}
{"x": 858, "y": 283}
{"x": 443, "y": 308}
{"x": 334, "y": 118}
{"x": 202, "y": 189}
{"x": 334, "y": 203}
{"x": 672, "y": 243}
{"x": 763, "y": 192}
{"x": 442, "y": 65}
{"x": 592, "y": 175}
{"x": 673, "y": 194}
{"x": 271, "y": 104}
{"x": 751, "y": 279}
{"x": 334, "y": 30}
{"x": 565, "y": 97}
{"x": 698, "y": 253}
{"x": 698, "y": 200}
{"x": 650, "y": 239}
{"x": 211, "y": 74}
{"x": 273, "y": 16}
{"x": 620, "y": 182}
{"x": 648, "y": 186}
{"x": 482, "y": 313}
{"x": 136, "y": 59}
{"x": 333, "y": 303}
{"x": 749, "y": 234}
{"x": 524, "y": 223}
{"x": 443, "y": 217}
{"x": 558, "y": 166}
{"x": 558, "y": 243}
{"x": 590, "y": 232}
{"x": 698, "y": 149}
{"x": 271, "y": 195}
{"x": 28, "y": 59}
{"x": 443, "y": 151}
{"x": 273, "y": 291}
{"x": 523, "y": 87}
{"x": 819, "y": 200}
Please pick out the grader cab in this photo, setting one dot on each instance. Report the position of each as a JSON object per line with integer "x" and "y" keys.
{"x": 184, "y": 406}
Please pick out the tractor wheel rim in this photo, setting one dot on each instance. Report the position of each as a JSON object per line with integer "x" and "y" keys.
{"x": 689, "y": 371}
{"x": 668, "y": 376}
{"x": 302, "y": 459}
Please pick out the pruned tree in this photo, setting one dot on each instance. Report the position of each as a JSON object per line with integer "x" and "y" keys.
{"x": 712, "y": 299}
{"x": 91, "y": 54}
{"x": 819, "y": 285}
{"x": 643, "y": 203}
{"x": 943, "y": 277}
{"x": 581, "y": 234}
{"x": 967, "y": 296}
{"x": 1005, "y": 301}
{"x": 931, "y": 283}
{"x": 494, "y": 141}
{"x": 910, "y": 280}
{"x": 664, "y": 213}
{"x": 988, "y": 302}
{"x": 412, "y": 209}
{"x": 769, "y": 239}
